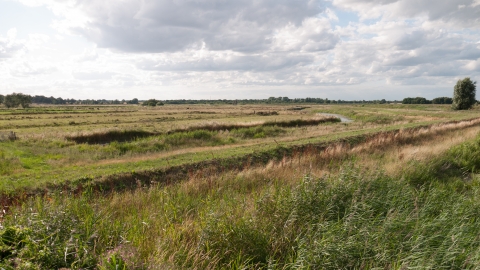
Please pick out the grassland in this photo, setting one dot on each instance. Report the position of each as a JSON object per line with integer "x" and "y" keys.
{"x": 165, "y": 188}
{"x": 44, "y": 155}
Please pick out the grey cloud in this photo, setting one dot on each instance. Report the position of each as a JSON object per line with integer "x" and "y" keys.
{"x": 168, "y": 25}
{"x": 473, "y": 65}
{"x": 445, "y": 10}
{"x": 412, "y": 81}
{"x": 411, "y": 40}
{"x": 465, "y": 13}
{"x": 448, "y": 69}
{"x": 436, "y": 54}
{"x": 268, "y": 62}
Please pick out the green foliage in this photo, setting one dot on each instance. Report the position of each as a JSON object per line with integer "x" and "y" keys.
{"x": 152, "y": 103}
{"x": 17, "y": 99}
{"x": 119, "y": 147}
{"x": 195, "y": 137}
{"x": 49, "y": 240}
{"x": 113, "y": 262}
{"x": 230, "y": 238}
{"x": 301, "y": 122}
{"x": 258, "y": 132}
{"x": 133, "y": 101}
{"x": 417, "y": 100}
{"x": 286, "y": 123}
{"x": 8, "y": 164}
{"x": 381, "y": 119}
{"x": 352, "y": 220}
{"x": 460, "y": 162}
{"x": 2, "y": 98}
{"x": 442, "y": 100}
{"x": 464, "y": 94}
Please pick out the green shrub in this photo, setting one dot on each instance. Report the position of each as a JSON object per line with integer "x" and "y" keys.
{"x": 60, "y": 241}
{"x": 258, "y": 132}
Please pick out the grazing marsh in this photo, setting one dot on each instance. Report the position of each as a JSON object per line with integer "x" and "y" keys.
{"x": 166, "y": 188}
{"x": 50, "y": 149}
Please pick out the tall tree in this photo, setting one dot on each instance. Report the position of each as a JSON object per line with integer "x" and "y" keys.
{"x": 464, "y": 94}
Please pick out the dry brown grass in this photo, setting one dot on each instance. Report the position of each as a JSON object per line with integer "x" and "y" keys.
{"x": 390, "y": 151}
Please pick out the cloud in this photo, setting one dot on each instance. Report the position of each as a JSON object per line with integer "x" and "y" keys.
{"x": 25, "y": 69}
{"x": 9, "y": 45}
{"x": 200, "y": 45}
{"x": 462, "y": 13}
{"x": 168, "y": 25}
{"x": 314, "y": 34}
{"x": 93, "y": 75}
{"x": 87, "y": 55}
{"x": 473, "y": 65}
{"x": 222, "y": 61}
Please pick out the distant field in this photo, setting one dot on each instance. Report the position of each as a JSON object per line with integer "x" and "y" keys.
{"x": 135, "y": 138}
{"x": 168, "y": 183}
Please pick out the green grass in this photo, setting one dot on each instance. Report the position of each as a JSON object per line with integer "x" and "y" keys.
{"x": 352, "y": 219}
{"x": 258, "y": 132}
{"x": 425, "y": 217}
{"x": 54, "y": 166}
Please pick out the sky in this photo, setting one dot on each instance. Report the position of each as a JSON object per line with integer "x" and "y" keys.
{"x": 242, "y": 49}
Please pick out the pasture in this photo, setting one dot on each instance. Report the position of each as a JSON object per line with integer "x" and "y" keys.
{"x": 239, "y": 186}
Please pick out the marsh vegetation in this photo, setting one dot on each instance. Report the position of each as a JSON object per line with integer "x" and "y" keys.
{"x": 223, "y": 187}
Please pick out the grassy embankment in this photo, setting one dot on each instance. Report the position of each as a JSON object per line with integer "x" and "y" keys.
{"x": 410, "y": 199}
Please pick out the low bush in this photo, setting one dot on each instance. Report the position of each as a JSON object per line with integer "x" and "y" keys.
{"x": 257, "y": 132}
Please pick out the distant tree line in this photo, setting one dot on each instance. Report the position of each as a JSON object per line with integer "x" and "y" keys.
{"x": 422, "y": 100}
{"x": 51, "y": 100}
{"x": 276, "y": 100}
{"x": 152, "y": 102}
{"x": 19, "y": 99}
{"x": 442, "y": 100}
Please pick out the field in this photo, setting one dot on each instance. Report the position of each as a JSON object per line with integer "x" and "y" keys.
{"x": 240, "y": 186}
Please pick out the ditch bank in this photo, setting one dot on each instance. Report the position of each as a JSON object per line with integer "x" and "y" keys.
{"x": 131, "y": 135}
{"x": 342, "y": 118}
{"x": 169, "y": 175}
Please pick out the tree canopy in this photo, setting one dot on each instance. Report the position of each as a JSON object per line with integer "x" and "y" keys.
{"x": 464, "y": 94}
{"x": 17, "y": 99}
{"x": 152, "y": 102}
{"x": 416, "y": 100}
{"x": 442, "y": 100}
